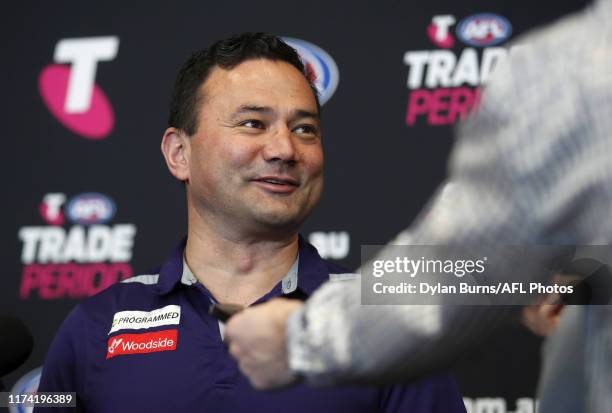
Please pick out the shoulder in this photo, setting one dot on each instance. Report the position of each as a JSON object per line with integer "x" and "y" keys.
{"x": 317, "y": 267}
{"x": 90, "y": 322}
{"x": 339, "y": 273}
{"x": 140, "y": 285}
{"x": 134, "y": 293}
{"x": 94, "y": 316}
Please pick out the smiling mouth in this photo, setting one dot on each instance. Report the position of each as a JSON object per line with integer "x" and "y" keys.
{"x": 277, "y": 181}
{"x": 276, "y": 184}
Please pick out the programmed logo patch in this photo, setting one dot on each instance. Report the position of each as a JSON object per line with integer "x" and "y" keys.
{"x": 320, "y": 64}
{"x": 123, "y": 344}
{"x": 133, "y": 320}
{"x": 484, "y": 29}
{"x": 70, "y": 92}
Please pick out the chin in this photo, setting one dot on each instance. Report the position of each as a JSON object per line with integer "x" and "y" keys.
{"x": 281, "y": 219}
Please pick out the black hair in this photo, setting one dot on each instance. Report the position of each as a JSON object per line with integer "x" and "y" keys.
{"x": 227, "y": 54}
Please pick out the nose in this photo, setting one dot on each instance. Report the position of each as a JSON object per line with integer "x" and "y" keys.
{"x": 280, "y": 147}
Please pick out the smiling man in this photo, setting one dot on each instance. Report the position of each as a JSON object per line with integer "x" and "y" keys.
{"x": 244, "y": 136}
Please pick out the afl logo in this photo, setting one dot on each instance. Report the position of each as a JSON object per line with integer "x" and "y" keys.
{"x": 90, "y": 208}
{"x": 321, "y": 64}
{"x": 485, "y": 29}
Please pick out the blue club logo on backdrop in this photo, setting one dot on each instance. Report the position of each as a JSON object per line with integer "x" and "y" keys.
{"x": 90, "y": 208}
{"x": 321, "y": 64}
{"x": 484, "y": 29}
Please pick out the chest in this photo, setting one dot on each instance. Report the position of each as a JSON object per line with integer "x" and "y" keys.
{"x": 184, "y": 365}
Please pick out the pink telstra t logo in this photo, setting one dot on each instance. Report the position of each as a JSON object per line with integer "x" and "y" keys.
{"x": 70, "y": 92}
{"x": 439, "y": 31}
{"x": 51, "y": 208}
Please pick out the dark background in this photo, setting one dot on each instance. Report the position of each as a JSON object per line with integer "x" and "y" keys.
{"x": 379, "y": 171}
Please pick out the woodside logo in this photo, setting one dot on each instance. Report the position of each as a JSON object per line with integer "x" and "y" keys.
{"x": 123, "y": 344}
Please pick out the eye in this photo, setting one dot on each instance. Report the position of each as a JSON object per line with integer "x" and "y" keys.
{"x": 252, "y": 123}
{"x": 306, "y": 130}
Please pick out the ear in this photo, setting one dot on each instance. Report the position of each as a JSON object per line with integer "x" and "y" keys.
{"x": 175, "y": 148}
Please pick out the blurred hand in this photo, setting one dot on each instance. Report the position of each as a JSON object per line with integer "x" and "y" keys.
{"x": 542, "y": 319}
{"x": 257, "y": 340}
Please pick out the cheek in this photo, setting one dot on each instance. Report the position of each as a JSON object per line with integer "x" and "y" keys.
{"x": 313, "y": 161}
{"x": 238, "y": 154}
{"x": 207, "y": 165}
{"x": 224, "y": 161}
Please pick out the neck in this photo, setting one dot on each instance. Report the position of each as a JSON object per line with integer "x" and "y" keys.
{"x": 237, "y": 268}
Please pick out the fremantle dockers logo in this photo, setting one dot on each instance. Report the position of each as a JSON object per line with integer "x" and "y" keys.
{"x": 320, "y": 65}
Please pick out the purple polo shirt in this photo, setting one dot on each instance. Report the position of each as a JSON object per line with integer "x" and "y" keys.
{"x": 149, "y": 345}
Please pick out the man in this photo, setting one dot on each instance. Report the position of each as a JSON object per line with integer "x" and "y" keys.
{"x": 244, "y": 136}
{"x": 533, "y": 166}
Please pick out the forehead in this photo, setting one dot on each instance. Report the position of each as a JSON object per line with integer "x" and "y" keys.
{"x": 262, "y": 82}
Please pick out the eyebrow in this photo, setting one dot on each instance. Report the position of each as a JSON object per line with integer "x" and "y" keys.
{"x": 300, "y": 113}
{"x": 297, "y": 114}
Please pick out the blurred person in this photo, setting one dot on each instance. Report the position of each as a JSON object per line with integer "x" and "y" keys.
{"x": 244, "y": 136}
{"x": 531, "y": 167}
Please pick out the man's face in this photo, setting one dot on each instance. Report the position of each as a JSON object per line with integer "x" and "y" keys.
{"x": 256, "y": 159}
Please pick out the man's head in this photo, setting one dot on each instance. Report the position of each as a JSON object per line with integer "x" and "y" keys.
{"x": 226, "y": 54}
{"x": 244, "y": 136}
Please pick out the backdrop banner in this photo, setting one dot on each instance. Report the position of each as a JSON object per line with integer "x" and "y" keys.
{"x": 86, "y": 88}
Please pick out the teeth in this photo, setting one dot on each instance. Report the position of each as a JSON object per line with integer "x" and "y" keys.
{"x": 274, "y": 181}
